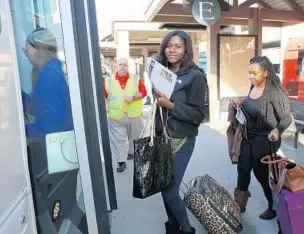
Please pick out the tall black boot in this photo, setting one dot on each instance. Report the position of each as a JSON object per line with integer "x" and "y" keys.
{"x": 192, "y": 231}
{"x": 268, "y": 214}
{"x": 121, "y": 167}
{"x": 172, "y": 227}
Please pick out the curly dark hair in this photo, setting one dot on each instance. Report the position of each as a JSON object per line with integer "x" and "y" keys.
{"x": 187, "y": 61}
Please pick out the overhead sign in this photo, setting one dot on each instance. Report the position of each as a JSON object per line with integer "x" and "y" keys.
{"x": 206, "y": 12}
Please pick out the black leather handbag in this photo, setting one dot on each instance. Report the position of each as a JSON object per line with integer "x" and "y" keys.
{"x": 153, "y": 162}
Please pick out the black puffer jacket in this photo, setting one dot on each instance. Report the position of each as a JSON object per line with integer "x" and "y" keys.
{"x": 189, "y": 101}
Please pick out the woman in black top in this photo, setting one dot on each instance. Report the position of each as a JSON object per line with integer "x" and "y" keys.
{"x": 185, "y": 112}
{"x": 268, "y": 114}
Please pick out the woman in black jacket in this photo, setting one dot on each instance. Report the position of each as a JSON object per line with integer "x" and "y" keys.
{"x": 184, "y": 112}
{"x": 268, "y": 115}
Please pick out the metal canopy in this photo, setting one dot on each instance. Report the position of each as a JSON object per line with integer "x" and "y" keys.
{"x": 272, "y": 12}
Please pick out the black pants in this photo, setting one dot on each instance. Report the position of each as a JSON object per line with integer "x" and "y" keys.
{"x": 253, "y": 149}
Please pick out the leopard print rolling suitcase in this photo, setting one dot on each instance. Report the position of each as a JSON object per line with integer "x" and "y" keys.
{"x": 213, "y": 206}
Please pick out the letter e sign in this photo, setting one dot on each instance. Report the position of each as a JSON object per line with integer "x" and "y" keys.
{"x": 206, "y": 12}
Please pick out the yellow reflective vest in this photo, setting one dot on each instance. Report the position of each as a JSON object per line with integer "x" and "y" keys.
{"x": 117, "y": 107}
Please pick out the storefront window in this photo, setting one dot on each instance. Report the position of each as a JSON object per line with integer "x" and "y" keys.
{"x": 52, "y": 152}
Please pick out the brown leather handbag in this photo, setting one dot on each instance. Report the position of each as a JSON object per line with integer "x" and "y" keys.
{"x": 289, "y": 174}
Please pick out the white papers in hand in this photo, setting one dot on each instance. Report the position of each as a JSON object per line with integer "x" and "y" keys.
{"x": 240, "y": 116}
{"x": 162, "y": 78}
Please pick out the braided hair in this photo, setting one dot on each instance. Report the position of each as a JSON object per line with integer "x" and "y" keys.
{"x": 266, "y": 65}
{"x": 272, "y": 81}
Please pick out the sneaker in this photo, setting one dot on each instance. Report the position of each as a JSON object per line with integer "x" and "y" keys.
{"x": 130, "y": 156}
{"x": 121, "y": 166}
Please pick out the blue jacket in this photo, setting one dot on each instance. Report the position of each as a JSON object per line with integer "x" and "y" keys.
{"x": 50, "y": 101}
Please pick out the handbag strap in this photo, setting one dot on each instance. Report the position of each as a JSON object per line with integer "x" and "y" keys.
{"x": 62, "y": 151}
{"x": 269, "y": 160}
{"x": 153, "y": 122}
{"x": 277, "y": 169}
{"x": 149, "y": 119}
{"x": 281, "y": 180}
{"x": 164, "y": 125}
{"x": 152, "y": 128}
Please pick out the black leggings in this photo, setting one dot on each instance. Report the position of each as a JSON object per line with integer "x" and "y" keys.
{"x": 253, "y": 149}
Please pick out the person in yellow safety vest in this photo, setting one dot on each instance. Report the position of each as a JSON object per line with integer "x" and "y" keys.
{"x": 124, "y": 93}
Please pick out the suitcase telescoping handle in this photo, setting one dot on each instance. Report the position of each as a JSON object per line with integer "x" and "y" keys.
{"x": 184, "y": 188}
{"x": 275, "y": 166}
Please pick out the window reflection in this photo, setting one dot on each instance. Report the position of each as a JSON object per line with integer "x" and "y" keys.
{"x": 52, "y": 152}
{"x": 49, "y": 102}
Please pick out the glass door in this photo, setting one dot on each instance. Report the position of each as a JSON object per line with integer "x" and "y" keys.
{"x": 52, "y": 152}
{"x": 16, "y": 206}
{"x": 66, "y": 172}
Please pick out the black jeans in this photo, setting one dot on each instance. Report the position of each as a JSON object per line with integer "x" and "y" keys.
{"x": 174, "y": 205}
{"x": 253, "y": 149}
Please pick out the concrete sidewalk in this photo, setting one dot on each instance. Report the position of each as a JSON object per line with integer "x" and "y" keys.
{"x": 147, "y": 216}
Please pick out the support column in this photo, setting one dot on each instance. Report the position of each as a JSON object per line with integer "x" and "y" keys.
{"x": 212, "y": 43}
{"x": 256, "y": 28}
{"x": 145, "y": 53}
{"x": 234, "y": 2}
{"x": 123, "y": 44}
{"x": 286, "y": 31}
{"x": 196, "y": 53}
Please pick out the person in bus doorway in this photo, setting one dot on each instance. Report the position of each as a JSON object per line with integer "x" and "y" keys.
{"x": 183, "y": 112}
{"x": 49, "y": 101}
{"x": 124, "y": 93}
{"x": 267, "y": 112}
